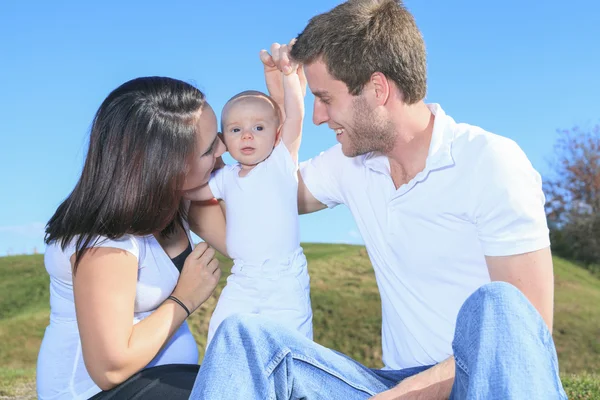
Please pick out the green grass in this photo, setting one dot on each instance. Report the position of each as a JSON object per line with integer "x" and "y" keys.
{"x": 347, "y": 316}
{"x": 582, "y": 387}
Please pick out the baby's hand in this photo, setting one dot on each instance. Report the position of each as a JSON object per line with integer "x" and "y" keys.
{"x": 279, "y": 60}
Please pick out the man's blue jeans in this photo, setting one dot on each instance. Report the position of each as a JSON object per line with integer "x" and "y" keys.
{"x": 502, "y": 350}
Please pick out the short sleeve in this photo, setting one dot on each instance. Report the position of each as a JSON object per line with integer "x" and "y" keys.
{"x": 509, "y": 201}
{"x": 216, "y": 182}
{"x": 126, "y": 242}
{"x": 322, "y": 176}
{"x": 282, "y": 161}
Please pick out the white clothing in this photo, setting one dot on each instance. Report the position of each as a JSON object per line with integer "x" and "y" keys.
{"x": 262, "y": 207}
{"x": 61, "y": 373}
{"x": 279, "y": 289}
{"x": 270, "y": 274}
{"x": 427, "y": 240}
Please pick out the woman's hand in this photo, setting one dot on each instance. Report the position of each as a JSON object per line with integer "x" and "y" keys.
{"x": 199, "y": 277}
{"x": 114, "y": 348}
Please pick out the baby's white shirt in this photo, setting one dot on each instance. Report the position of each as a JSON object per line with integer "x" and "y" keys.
{"x": 261, "y": 208}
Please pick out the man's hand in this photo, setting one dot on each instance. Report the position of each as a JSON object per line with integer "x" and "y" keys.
{"x": 434, "y": 383}
{"x": 275, "y": 65}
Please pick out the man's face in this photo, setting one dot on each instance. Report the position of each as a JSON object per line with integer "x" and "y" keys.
{"x": 357, "y": 126}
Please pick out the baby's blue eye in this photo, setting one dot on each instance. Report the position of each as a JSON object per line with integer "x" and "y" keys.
{"x": 259, "y": 128}
{"x": 235, "y": 130}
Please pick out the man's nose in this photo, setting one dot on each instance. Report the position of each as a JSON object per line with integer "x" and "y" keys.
{"x": 320, "y": 114}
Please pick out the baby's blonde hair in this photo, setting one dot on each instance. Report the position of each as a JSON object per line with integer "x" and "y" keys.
{"x": 250, "y": 94}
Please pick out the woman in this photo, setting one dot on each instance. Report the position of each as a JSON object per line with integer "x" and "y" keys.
{"x": 123, "y": 274}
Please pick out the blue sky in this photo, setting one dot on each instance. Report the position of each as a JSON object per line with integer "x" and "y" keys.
{"x": 519, "y": 69}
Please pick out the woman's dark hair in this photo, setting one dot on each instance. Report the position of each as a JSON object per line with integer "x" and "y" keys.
{"x": 142, "y": 137}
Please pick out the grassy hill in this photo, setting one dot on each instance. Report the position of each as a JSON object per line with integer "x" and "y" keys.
{"x": 347, "y": 316}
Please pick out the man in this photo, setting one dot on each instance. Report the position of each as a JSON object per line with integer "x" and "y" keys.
{"x": 453, "y": 220}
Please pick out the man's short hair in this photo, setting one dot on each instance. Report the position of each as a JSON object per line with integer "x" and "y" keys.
{"x": 360, "y": 37}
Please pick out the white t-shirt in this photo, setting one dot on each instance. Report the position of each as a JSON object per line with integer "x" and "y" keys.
{"x": 262, "y": 208}
{"x": 61, "y": 372}
{"x": 478, "y": 195}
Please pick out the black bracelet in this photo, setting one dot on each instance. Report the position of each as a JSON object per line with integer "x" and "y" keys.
{"x": 176, "y": 300}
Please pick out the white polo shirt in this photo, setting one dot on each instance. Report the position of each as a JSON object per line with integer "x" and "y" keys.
{"x": 478, "y": 195}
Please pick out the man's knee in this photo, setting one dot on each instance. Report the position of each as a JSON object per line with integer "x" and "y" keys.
{"x": 499, "y": 291}
{"x": 248, "y": 325}
{"x": 497, "y": 296}
{"x": 237, "y": 322}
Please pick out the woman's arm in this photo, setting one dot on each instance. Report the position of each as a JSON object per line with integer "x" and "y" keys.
{"x": 207, "y": 220}
{"x": 105, "y": 287}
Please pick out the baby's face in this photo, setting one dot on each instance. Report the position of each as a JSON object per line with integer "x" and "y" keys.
{"x": 250, "y": 129}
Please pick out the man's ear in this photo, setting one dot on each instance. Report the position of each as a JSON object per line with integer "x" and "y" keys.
{"x": 381, "y": 88}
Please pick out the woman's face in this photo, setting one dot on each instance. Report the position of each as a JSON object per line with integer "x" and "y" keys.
{"x": 209, "y": 149}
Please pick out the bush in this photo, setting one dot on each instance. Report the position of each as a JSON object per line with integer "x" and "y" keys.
{"x": 579, "y": 240}
{"x": 573, "y": 194}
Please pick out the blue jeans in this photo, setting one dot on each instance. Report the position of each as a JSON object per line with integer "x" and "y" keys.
{"x": 502, "y": 350}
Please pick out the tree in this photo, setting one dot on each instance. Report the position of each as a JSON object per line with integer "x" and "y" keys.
{"x": 573, "y": 195}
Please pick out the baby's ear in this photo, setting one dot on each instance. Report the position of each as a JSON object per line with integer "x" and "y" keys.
{"x": 222, "y": 138}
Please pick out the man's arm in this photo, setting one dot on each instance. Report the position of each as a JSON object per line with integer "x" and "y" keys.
{"x": 307, "y": 203}
{"x": 286, "y": 84}
{"x": 511, "y": 223}
{"x": 274, "y": 65}
{"x": 532, "y": 273}
{"x": 432, "y": 384}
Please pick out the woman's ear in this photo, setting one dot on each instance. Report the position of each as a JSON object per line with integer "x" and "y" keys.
{"x": 278, "y": 135}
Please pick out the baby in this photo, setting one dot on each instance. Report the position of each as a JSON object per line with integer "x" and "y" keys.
{"x": 269, "y": 275}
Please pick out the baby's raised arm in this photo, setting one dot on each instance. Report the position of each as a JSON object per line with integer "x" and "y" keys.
{"x": 286, "y": 83}
{"x": 291, "y": 132}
